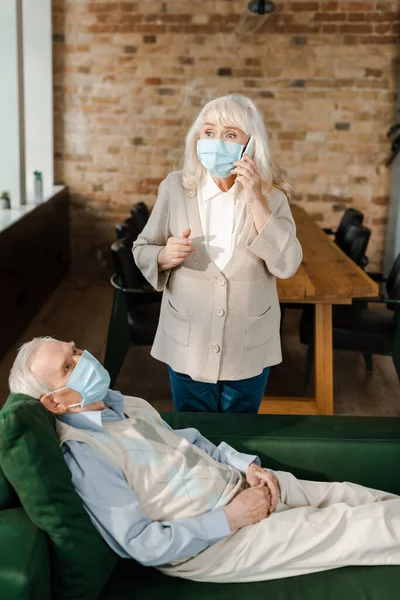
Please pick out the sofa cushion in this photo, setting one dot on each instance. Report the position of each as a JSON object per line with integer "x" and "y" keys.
{"x": 34, "y": 465}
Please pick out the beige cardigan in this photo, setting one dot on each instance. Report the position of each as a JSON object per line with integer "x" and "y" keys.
{"x": 218, "y": 325}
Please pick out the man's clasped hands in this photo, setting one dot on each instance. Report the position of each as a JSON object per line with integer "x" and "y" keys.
{"x": 256, "y": 502}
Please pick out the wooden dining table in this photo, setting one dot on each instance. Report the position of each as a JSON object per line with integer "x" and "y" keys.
{"x": 326, "y": 276}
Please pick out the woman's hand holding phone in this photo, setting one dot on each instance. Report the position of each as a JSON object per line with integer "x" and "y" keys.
{"x": 248, "y": 176}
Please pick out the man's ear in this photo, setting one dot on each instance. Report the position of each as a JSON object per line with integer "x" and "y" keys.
{"x": 52, "y": 404}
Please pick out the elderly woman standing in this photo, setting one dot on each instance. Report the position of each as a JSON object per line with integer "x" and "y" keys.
{"x": 220, "y": 233}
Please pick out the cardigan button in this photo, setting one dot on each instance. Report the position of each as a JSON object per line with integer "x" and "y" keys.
{"x": 215, "y": 348}
{"x": 221, "y": 280}
{"x": 219, "y": 312}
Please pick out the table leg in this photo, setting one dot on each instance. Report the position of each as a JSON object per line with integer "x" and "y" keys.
{"x": 323, "y": 359}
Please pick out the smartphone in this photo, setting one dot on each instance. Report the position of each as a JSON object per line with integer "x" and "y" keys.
{"x": 249, "y": 148}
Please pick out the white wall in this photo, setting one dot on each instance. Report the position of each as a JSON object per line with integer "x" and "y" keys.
{"x": 11, "y": 142}
{"x": 393, "y": 228}
{"x": 38, "y": 92}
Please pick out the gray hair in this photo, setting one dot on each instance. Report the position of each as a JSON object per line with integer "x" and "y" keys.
{"x": 21, "y": 379}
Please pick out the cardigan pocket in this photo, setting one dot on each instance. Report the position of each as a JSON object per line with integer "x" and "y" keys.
{"x": 259, "y": 329}
{"x": 177, "y": 324}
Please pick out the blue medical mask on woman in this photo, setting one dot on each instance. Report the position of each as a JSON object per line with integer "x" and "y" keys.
{"x": 218, "y": 156}
{"x": 89, "y": 378}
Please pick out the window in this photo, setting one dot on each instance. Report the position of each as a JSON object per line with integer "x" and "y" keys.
{"x": 26, "y": 106}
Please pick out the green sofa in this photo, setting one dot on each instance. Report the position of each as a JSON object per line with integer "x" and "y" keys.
{"x": 363, "y": 450}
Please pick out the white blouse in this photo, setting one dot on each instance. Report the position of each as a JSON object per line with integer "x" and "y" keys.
{"x": 222, "y": 216}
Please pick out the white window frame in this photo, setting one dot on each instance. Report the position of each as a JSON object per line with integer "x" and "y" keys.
{"x": 26, "y": 98}
{"x": 392, "y": 246}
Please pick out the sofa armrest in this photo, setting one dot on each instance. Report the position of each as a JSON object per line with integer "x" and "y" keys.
{"x": 24, "y": 558}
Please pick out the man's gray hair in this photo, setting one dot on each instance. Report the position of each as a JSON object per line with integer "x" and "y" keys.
{"x": 21, "y": 379}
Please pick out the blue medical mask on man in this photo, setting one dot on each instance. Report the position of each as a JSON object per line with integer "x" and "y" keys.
{"x": 218, "y": 156}
{"x": 89, "y": 378}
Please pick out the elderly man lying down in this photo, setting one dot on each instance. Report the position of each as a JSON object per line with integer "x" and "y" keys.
{"x": 174, "y": 500}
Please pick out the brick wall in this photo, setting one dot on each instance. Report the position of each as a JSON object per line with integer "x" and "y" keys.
{"x": 130, "y": 76}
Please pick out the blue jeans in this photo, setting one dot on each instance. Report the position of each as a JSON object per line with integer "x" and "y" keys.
{"x": 242, "y": 396}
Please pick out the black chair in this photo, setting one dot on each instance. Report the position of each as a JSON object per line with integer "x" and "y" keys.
{"x": 358, "y": 328}
{"x": 140, "y": 214}
{"x": 127, "y": 229}
{"x": 350, "y": 217}
{"x": 134, "y": 225}
{"x": 135, "y": 311}
{"x": 355, "y": 243}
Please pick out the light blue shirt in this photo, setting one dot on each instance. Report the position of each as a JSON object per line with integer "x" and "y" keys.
{"x": 114, "y": 508}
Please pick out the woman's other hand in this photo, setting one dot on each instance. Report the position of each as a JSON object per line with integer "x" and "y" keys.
{"x": 176, "y": 251}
